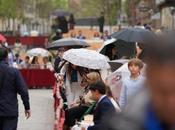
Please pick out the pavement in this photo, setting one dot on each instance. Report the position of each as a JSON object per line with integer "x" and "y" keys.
{"x": 41, "y": 101}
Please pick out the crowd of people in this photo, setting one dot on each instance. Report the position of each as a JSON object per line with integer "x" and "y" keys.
{"x": 64, "y": 25}
{"x": 88, "y": 93}
{"x": 91, "y": 92}
{"x": 30, "y": 62}
{"x": 79, "y": 35}
{"x": 146, "y": 102}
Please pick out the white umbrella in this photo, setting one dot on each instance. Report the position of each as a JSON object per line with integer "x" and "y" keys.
{"x": 38, "y": 52}
{"x": 86, "y": 58}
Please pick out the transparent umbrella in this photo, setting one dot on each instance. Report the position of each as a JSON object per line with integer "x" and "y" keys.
{"x": 86, "y": 58}
{"x": 38, "y": 52}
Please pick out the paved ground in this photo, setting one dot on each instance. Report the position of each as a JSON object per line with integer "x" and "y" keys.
{"x": 42, "y": 111}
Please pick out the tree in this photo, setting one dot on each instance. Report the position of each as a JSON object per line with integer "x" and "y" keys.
{"x": 130, "y": 7}
{"x": 59, "y": 4}
{"x": 92, "y": 8}
{"x": 7, "y": 11}
{"x": 16, "y": 9}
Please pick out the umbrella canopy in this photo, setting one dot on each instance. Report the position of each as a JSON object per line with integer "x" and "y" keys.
{"x": 2, "y": 38}
{"x": 68, "y": 42}
{"x": 86, "y": 58}
{"x": 135, "y": 34}
{"x": 38, "y": 52}
{"x": 115, "y": 64}
{"x": 124, "y": 49}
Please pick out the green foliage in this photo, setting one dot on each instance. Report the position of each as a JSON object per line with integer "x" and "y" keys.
{"x": 8, "y": 8}
{"x": 45, "y": 7}
{"x": 92, "y": 8}
{"x": 16, "y": 8}
{"x": 128, "y": 4}
{"x": 59, "y": 4}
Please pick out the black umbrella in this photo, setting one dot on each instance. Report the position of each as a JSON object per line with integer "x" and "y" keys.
{"x": 124, "y": 49}
{"x": 134, "y": 34}
{"x": 115, "y": 64}
{"x": 68, "y": 42}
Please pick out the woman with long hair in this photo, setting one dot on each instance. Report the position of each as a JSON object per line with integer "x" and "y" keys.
{"x": 72, "y": 76}
{"x": 35, "y": 62}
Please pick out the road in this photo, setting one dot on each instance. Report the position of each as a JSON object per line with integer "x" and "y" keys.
{"x": 42, "y": 111}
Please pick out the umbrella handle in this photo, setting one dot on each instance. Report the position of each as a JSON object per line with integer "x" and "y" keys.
{"x": 60, "y": 66}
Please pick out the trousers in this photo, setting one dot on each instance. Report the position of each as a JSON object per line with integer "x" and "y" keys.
{"x": 8, "y": 123}
{"x": 73, "y": 114}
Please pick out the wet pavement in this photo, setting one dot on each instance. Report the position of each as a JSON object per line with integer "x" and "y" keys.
{"x": 41, "y": 101}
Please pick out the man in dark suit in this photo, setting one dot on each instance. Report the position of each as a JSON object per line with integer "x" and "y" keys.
{"x": 101, "y": 22}
{"x": 11, "y": 84}
{"x": 104, "y": 107}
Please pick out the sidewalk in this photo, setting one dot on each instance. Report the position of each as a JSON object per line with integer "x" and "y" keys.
{"x": 42, "y": 111}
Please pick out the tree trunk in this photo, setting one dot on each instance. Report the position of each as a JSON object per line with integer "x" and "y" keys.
{"x": 44, "y": 30}
{"x": 14, "y": 31}
{"x": 8, "y": 25}
{"x": 133, "y": 12}
{"x": 120, "y": 11}
{"x": 3, "y": 24}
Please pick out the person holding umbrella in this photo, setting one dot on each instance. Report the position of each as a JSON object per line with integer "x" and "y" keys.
{"x": 112, "y": 52}
{"x": 59, "y": 62}
{"x": 86, "y": 59}
{"x": 73, "y": 76}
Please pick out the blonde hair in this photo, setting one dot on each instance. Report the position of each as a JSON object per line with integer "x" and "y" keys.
{"x": 93, "y": 77}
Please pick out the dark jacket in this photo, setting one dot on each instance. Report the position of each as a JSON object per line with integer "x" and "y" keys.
{"x": 57, "y": 37}
{"x": 11, "y": 84}
{"x": 56, "y": 64}
{"x": 104, "y": 108}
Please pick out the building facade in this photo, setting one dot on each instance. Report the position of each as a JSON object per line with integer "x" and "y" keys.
{"x": 167, "y": 10}
{"x": 144, "y": 11}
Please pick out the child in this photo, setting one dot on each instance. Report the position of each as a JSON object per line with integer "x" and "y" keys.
{"x": 133, "y": 83}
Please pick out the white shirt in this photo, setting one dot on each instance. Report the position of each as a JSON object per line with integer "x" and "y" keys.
{"x": 101, "y": 98}
{"x": 117, "y": 108}
{"x": 129, "y": 88}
